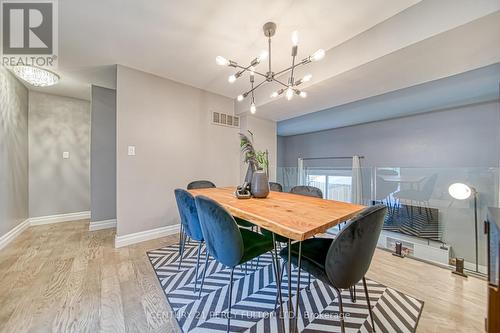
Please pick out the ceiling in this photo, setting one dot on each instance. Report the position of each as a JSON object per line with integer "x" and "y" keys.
{"x": 476, "y": 86}
{"x": 179, "y": 40}
{"x": 374, "y": 47}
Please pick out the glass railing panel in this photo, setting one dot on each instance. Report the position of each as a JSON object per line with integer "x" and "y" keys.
{"x": 422, "y": 215}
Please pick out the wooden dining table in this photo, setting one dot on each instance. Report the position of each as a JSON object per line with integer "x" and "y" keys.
{"x": 293, "y": 216}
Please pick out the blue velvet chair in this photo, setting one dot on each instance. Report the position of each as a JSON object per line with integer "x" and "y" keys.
{"x": 226, "y": 242}
{"x": 343, "y": 261}
{"x": 197, "y": 184}
{"x": 190, "y": 225}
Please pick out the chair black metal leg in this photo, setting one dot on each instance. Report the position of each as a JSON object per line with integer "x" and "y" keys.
{"x": 196, "y": 269}
{"x": 182, "y": 246}
{"x": 341, "y": 310}
{"x": 352, "y": 291}
{"x": 204, "y": 272}
{"x": 230, "y": 300}
{"x": 368, "y": 303}
{"x": 180, "y": 239}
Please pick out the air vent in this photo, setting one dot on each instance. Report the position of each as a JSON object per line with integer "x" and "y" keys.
{"x": 223, "y": 119}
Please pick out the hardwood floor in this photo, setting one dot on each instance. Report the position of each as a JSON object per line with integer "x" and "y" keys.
{"x": 63, "y": 278}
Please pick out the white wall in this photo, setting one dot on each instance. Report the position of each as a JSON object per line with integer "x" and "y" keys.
{"x": 169, "y": 124}
{"x": 57, "y": 185}
{"x": 264, "y": 132}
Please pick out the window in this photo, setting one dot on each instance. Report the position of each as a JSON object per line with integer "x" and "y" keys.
{"x": 335, "y": 184}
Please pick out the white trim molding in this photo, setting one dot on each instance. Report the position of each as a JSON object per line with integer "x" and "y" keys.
{"x": 59, "y": 218}
{"x": 103, "y": 224}
{"x": 13, "y": 233}
{"x": 146, "y": 235}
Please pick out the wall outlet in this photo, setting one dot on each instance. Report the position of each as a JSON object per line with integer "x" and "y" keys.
{"x": 131, "y": 150}
{"x": 65, "y": 154}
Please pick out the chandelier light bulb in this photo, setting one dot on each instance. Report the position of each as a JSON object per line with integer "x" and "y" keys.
{"x": 240, "y": 98}
{"x": 289, "y": 93}
{"x": 307, "y": 78}
{"x": 303, "y": 94}
{"x": 263, "y": 55}
{"x": 221, "y": 61}
{"x": 295, "y": 38}
{"x": 231, "y": 78}
{"x": 253, "y": 108}
{"x": 274, "y": 94}
{"x": 318, "y": 55}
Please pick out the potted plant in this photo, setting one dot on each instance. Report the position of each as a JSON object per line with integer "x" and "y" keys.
{"x": 257, "y": 161}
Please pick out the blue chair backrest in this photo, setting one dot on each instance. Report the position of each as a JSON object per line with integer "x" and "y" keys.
{"x": 188, "y": 214}
{"x": 309, "y": 191}
{"x": 200, "y": 184}
{"x": 350, "y": 254}
{"x": 221, "y": 233}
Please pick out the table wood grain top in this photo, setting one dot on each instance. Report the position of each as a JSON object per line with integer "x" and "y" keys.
{"x": 294, "y": 216}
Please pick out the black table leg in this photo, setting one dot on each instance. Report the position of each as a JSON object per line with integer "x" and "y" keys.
{"x": 297, "y": 292}
{"x": 276, "y": 260}
{"x": 289, "y": 273}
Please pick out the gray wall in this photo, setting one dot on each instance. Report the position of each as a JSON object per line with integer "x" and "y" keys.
{"x": 57, "y": 185}
{"x": 464, "y": 136}
{"x": 103, "y": 155}
{"x": 445, "y": 142}
{"x": 13, "y": 152}
{"x": 169, "y": 125}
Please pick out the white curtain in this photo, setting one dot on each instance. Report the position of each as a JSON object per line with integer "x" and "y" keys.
{"x": 356, "y": 184}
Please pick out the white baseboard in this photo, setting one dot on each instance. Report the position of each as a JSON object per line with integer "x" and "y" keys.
{"x": 104, "y": 224}
{"x": 59, "y": 218}
{"x": 13, "y": 233}
{"x": 146, "y": 235}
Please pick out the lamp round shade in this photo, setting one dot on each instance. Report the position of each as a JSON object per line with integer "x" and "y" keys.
{"x": 460, "y": 191}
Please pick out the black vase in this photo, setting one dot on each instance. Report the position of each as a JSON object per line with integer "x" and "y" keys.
{"x": 260, "y": 184}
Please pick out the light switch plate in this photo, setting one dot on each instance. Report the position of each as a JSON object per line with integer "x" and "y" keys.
{"x": 131, "y": 150}
{"x": 65, "y": 154}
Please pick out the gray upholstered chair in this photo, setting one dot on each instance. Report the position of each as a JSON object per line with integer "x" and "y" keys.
{"x": 200, "y": 184}
{"x": 343, "y": 261}
{"x": 276, "y": 187}
{"x": 309, "y": 191}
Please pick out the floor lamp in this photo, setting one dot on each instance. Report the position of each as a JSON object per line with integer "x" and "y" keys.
{"x": 462, "y": 191}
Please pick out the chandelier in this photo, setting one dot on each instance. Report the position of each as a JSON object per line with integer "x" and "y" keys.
{"x": 289, "y": 88}
{"x": 36, "y": 76}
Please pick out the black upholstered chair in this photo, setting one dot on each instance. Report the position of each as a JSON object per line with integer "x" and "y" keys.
{"x": 309, "y": 191}
{"x": 276, "y": 187}
{"x": 200, "y": 184}
{"x": 226, "y": 242}
{"x": 190, "y": 225}
{"x": 343, "y": 261}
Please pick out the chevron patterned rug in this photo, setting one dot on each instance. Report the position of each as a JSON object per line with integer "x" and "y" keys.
{"x": 254, "y": 294}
